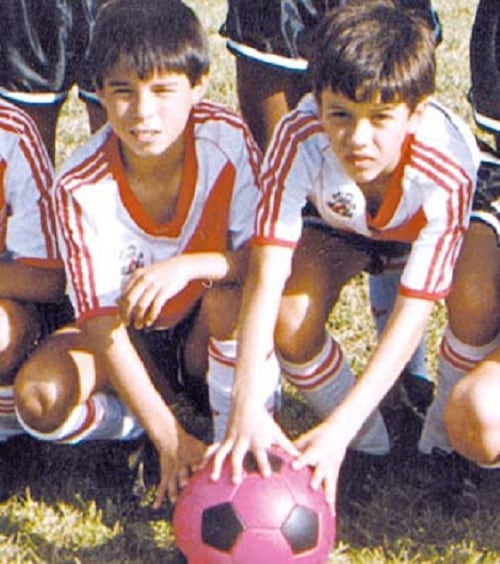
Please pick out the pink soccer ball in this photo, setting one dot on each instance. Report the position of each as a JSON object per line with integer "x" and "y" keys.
{"x": 278, "y": 519}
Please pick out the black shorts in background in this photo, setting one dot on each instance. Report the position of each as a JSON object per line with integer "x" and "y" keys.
{"x": 43, "y": 44}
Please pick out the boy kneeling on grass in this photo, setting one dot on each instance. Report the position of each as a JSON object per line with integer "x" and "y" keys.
{"x": 367, "y": 169}
{"x": 154, "y": 212}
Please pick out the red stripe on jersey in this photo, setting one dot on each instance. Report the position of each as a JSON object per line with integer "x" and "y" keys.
{"x": 451, "y": 178}
{"x": 296, "y": 128}
{"x": 15, "y": 121}
{"x": 78, "y": 261}
{"x": 47, "y": 219}
{"x": 215, "y": 112}
{"x": 393, "y": 193}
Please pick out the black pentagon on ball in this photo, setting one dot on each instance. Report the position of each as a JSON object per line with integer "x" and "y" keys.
{"x": 250, "y": 463}
{"x": 220, "y": 527}
{"x": 301, "y": 529}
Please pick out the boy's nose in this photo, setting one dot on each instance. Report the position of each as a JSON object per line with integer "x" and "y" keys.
{"x": 142, "y": 104}
{"x": 361, "y": 132}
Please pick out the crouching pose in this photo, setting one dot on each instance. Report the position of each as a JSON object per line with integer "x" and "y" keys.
{"x": 367, "y": 169}
{"x": 154, "y": 212}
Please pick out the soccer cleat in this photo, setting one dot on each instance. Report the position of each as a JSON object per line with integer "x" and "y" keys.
{"x": 484, "y": 95}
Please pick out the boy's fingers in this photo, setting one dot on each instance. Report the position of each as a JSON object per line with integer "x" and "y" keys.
{"x": 161, "y": 491}
{"x": 219, "y": 459}
{"x": 239, "y": 451}
{"x": 263, "y": 462}
{"x": 287, "y": 445}
{"x": 331, "y": 492}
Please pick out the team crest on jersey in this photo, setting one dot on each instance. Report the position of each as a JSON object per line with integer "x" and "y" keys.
{"x": 131, "y": 258}
{"x": 342, "y": 204}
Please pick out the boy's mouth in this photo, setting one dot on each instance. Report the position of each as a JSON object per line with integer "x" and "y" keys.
{"x": 144, "y": 135}
{"x": 359, "y": 160}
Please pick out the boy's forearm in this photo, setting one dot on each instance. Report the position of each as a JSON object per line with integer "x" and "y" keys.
{"x": 268, "y": 272}
{"x": 20, "y": 281}
{"x": 230, "y": 266}
{"x": 121, "y": 363}
{"x": 403, "y": 332}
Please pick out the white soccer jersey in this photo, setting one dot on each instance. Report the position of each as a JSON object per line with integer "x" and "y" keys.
{"x": 427, "y": 203}
{"x": 105, "y": 234}
{"x": 27, "y": 226}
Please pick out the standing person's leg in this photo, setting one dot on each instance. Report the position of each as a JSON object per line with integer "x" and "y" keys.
{"x": 266, "y": 93}
{"x": 43, "y": 48}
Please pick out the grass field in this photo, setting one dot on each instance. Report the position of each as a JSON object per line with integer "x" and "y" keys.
{"x": 73, "y": 504}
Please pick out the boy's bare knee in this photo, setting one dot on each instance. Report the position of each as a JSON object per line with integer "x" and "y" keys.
{"x": 473, "y": 422}
{"x": 43, "y": 400}
{"x": 300, "y": 330}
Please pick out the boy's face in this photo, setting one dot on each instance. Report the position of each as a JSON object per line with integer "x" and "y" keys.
{"x": 148, "y": 115}
{"x": 366, "y": 137}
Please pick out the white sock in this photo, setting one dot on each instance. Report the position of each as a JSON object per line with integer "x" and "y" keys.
{"x": 324, "y": 382}
{"x": 102, "y": 416}
{"x": 455, "y": 360}
{"x": 221, "y": 363}
{"x": 9, "y": 425}
{"x": 383, "y": 291}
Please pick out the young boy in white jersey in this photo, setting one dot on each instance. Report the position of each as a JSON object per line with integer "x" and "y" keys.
{"x": 153, "y": 214}
{"x": 272, "y": 43}
{"x": 31, "y": 271}
{"x": 367, "y": 169}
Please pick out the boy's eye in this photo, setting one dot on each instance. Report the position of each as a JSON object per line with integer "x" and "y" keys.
{"x": 338, "y": 114}
{"x": 382, "y": 116}
{"x": 122, "y": 90}
{"x": 163, "y": 90}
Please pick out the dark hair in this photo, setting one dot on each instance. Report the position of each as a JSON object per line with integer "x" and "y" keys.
{"x": 373, "y": 48}
{"x": 147, "y": 36}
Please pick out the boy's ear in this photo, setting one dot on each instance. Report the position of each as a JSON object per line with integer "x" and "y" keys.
{"x": 200, "y": 89}
{"x": 417, "y": 114}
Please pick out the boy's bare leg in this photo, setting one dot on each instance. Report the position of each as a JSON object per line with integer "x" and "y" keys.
{"x": 472, "y": 416}
{"x": 473, "y": 326}
{"x": 310, "y": 358}
{"x": 62, "y": 396}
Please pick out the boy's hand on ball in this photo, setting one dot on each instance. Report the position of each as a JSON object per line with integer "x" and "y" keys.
{"x": 177, "y": 462}
{"x": 322, "y": 453}
{"x": 253, "y": 429}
